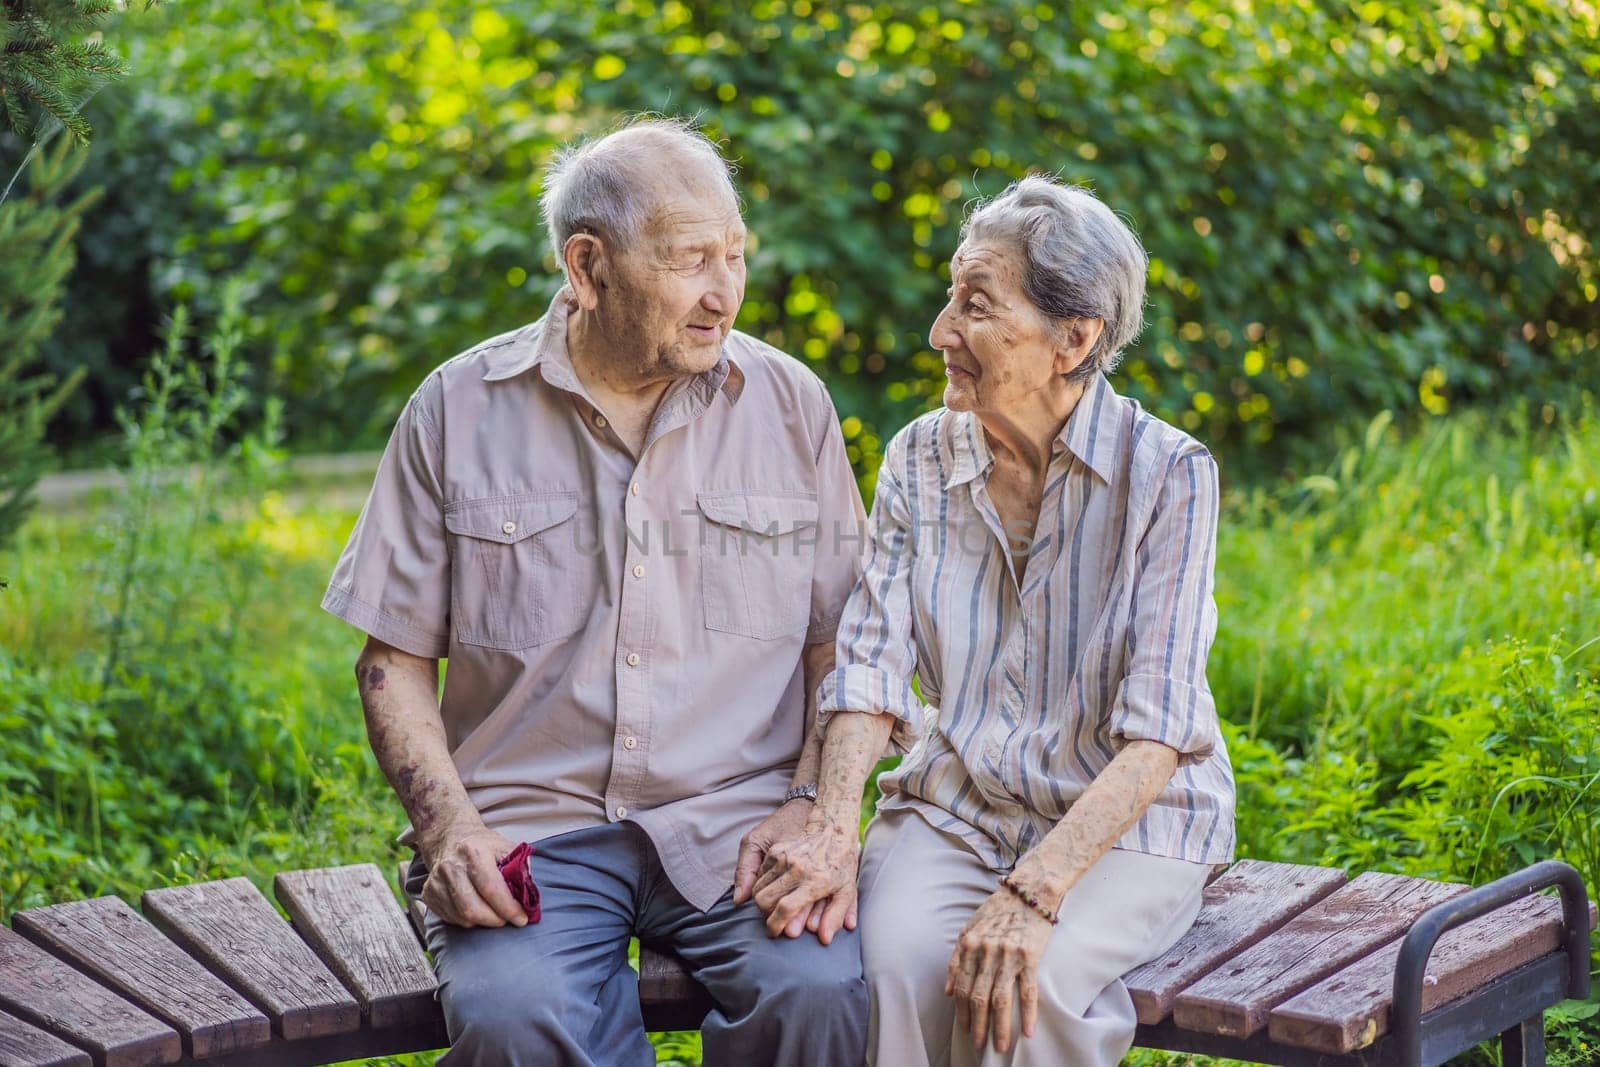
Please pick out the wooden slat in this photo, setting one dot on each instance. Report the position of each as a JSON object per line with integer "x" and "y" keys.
{"x": 1367, "y": 913}
{"x": 23, "y": 1045}
{"x": 237, "y": 933}
{"x": 1350, "y": 1009}
{"x": 42, "y": 990}
{"x": 118, "y": 948}
{"x": 349, "y": 916}
{"x": 1237, "y": 910}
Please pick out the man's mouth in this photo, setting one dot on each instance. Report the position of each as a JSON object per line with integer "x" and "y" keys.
{"x": 955, "y": 372}
{"x": 705, "y": 332}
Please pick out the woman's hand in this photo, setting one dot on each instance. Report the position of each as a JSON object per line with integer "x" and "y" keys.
{"x": 996, "y": 964}
{"x": 798, "y": 874}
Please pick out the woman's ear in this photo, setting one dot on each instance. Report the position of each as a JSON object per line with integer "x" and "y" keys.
{"x": 585, "y": 259}
{"x": 1077, "y": 341}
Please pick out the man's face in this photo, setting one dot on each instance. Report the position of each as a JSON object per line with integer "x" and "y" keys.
{"x": 676, "y": 297}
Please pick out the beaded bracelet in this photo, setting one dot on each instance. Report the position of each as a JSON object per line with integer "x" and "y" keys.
{"x": 1030, "y": 900}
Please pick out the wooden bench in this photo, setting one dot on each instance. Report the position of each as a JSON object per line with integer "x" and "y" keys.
{"x": 1286, "y": 964}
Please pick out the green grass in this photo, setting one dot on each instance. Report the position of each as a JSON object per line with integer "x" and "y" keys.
{"x": 1407, "y": 664}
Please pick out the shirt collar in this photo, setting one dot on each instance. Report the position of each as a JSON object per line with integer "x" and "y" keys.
{"x": 1090, "y": 433}
{"x": 969, "y": 454}
{"x": 543, "y": 344}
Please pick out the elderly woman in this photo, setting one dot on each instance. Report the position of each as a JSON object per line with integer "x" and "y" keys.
{"x": 1041, "y": 564}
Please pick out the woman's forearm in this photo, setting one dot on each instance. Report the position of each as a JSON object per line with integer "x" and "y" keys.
{"x": 1110, "y": 805}
{"x": 849, "y": 752}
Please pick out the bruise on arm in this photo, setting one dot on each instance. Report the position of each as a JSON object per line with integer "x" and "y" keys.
{"x": 399, "y": 697}
{"x": 1111, "y": 804}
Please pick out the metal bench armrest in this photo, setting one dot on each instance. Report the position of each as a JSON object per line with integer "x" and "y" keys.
{"x": 1410, "y": 969}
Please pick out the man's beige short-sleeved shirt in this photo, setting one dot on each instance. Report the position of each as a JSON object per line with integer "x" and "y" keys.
{"x": 623, "y": 637}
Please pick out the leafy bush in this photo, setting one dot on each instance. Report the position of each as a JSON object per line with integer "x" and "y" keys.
{"x": 1351, "y": 208}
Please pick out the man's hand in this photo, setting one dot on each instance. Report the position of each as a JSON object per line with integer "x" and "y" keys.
{"x": 811, "y": 879}
{"x": 464, "y": 886}
{"x": 995, "y": 966}
{"x": 785, "y": 824}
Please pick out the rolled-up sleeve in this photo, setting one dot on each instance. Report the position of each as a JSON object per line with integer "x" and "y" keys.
{"x": 876, "y": 652}
{"x": 1165, "y": 696}
{"x": 393, "y": 580}
{"x": 840, "y": 523}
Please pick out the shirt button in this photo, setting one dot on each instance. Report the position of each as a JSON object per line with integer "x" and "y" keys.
{"x": 600, "y": 421}
{"x": 634, "y": 488}
{"x": 509, "y": 527}
{"x": 633, "y": 659}
{"x": 638, "y": 571}
{"x": 622, "y": 813}
{"x": 630, "y": 742}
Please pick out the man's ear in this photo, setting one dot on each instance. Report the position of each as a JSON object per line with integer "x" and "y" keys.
{"x": 1077, "y": 341}
{"x": 585, "y": 259}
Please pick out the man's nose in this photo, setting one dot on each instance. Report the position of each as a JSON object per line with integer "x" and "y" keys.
{"x": 722, "y": 297}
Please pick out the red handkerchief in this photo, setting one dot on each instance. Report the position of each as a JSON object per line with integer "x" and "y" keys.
{"x": 514, "y": 869}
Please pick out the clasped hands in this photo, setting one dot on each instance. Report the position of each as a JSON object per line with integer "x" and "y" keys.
{"x": 806, "y": 880}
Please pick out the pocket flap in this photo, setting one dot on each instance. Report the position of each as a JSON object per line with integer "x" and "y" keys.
{"x": 759, "y": 512}
{"x": 508, "y": 519}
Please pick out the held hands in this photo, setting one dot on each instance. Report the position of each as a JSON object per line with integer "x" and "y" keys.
{"x": 464, "y": 884}
{"x": 995, "y": 965}
{"x": 807, "y": 881}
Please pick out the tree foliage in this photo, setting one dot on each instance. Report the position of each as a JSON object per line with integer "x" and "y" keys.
{"x": 49, "y": 61}
{"x": 1349, "y": 207}
{"x": 37, "y": 227}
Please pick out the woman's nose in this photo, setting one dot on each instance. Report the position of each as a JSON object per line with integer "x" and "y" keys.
{"x": 942, "y": 335}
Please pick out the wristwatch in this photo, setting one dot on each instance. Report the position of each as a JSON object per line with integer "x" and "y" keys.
{"x": 807, "y": 791}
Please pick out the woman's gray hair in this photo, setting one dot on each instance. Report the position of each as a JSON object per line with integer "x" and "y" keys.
{"x": 610, "y": 185}
{"x": 1079, "y": 260}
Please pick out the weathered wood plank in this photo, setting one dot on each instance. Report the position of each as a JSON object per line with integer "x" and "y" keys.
{"x": 40, "y": 989}
{"x": 1368, "y": 912}
{"x": 1350, "y": 1009}
{"x": 118, "y": 948}
{"x": 349, "y": 916}
{"x": 1237, "y": 910}
{"x": 237, "y": 933}
{"x": 23, "y": 1045}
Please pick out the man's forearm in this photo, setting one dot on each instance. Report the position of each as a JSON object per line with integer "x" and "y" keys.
{"x": 399, "y": 695}
{"x": 849, "y": 752}
{"x": 816, "y": 664}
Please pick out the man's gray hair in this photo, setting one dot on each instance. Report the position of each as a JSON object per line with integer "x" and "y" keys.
{"x": 609, "y": 185}
{"x": 1079, "y": 259}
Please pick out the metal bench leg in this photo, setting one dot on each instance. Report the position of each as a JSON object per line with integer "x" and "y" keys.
{"x": 1523, "y": 1045}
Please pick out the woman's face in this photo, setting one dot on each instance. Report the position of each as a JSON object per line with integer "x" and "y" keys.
{"x": 998, "y": 348}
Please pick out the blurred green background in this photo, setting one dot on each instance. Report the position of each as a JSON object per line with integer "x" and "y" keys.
{"x": 1373, "y": 293}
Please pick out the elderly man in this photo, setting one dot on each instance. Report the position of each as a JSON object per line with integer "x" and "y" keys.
{"x": 629, "y": 529}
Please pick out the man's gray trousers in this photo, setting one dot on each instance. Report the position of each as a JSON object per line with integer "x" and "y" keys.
{"x": 561, "y": 991}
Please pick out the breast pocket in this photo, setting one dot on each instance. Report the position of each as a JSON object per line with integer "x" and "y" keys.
{"x": 757, "y": 552}
{"x": 520, "y": 572}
